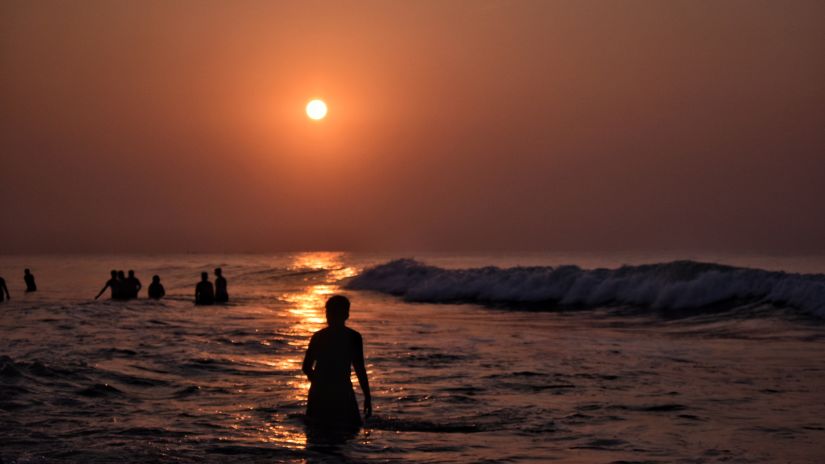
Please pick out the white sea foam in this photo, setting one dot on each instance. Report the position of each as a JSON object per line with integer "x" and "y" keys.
{"x": 675, "y": 285}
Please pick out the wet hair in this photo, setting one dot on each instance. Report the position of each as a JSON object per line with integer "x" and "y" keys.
{"x": 218, "y": 271}
{"x": 114, "y": 273}
{"x": 337, "y": 309}
{"x": 204, "y": 276}
{"x": 155, "y": 278}
{"x": 131, "y": 273}
{"x": 26, "y": 271}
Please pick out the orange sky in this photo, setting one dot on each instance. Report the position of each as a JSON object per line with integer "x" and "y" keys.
{"x": 475, "y": 125}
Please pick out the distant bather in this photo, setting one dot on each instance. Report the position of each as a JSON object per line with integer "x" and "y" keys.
{"x": 156, "y": 290}
{"x": 120, "y": 291}
{"x": 28, "y": 277}
{"x": 221, "y": 295}
{"x": 4, "y": 291}
{"x": 131, "y": 286}
{"x": 204, "y": 293}
{"x": 112, "y": 284}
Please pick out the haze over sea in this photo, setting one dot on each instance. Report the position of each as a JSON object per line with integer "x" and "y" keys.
{"x": 719, "y": 358}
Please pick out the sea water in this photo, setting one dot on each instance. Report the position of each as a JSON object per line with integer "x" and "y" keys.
{"x": 471, "y": 358}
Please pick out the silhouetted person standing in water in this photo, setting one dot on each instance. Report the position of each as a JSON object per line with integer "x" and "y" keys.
{"x": 113, "y": 285}
{"x": 4, "y": 291}
{"x": 132, "y": 286}
{"x": 156, "y": 290}
{"x": 28, "y": 277}
{"x": 204, "y": 293}
{"x": 331, "y": 353}
{"x": 221, "y": 295}
{"x": 121, "y": 291}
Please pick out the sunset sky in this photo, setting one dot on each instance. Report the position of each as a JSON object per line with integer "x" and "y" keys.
{"x": 453, "y": 125}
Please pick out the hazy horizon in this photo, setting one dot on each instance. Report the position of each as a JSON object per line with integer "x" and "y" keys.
{"x": 463, "y": 126}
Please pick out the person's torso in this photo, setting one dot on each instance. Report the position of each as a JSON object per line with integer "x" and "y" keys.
{"x": 205, "y": 290}
{"x": 155, "y": 290}
{"x": 335, "y": 350}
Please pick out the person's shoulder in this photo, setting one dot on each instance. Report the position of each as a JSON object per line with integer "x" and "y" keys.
{"x": 354, "y": 333}
{"x": 320, "y": 334}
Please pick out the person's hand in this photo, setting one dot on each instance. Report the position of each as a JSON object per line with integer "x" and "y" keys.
{"x": 367, "y": 407}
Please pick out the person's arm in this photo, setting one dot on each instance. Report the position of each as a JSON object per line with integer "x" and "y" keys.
{"x": 361, "y": 372}
{"x": 139, "y": 285}
{"x": 309, "y": 360}
{"x": 103, "y": 290}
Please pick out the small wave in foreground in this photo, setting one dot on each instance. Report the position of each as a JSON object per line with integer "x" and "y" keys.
{"x": 677, "y": 285}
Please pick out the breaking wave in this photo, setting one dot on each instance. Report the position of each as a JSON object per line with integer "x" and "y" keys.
{"x": 678, "y": 285}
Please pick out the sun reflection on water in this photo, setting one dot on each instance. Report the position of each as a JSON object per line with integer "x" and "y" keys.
{"x": 307, "y": 305}
{"x": 283, "y": 436}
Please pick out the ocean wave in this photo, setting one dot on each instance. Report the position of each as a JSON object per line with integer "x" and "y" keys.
{"x": 677, "y": 285}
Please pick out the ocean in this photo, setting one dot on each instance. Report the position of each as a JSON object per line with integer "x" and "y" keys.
{"x": 515, "y": 358}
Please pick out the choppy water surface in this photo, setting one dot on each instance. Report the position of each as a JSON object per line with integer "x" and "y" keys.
{"x": 86, "y": 381}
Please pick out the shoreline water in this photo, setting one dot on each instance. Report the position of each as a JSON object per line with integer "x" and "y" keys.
{"x": 168, "y": 382}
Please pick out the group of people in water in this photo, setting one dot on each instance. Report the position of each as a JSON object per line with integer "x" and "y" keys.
{"x": 329, "y": 358}
{"x": 28, "y": 278}
{"x": 125, "y": 288}
{"x": 206, "y": 294}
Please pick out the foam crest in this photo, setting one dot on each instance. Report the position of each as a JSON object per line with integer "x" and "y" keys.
{"x": 677, "y": 285}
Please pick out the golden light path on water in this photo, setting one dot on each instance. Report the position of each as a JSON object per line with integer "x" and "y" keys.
{"x": 308, "y": 316}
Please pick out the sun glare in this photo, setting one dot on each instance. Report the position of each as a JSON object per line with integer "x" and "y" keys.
{"x": 316, "y": 109}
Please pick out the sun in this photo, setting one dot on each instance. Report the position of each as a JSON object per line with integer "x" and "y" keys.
{"x": 316, "y": 109}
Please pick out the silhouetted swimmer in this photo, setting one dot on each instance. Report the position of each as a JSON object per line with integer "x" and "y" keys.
{"x": 331, "y": 353}
{"x": 132, "y": 286}
{"x": 156, "y": 290}
{"x": 113, "y": 285}
{"x": 4, "y": 290}
{"x": 221, "y": 295}
{"x": 204, "y": 293}
{"x": 121, "y": 291}
{"x": 28, "y": 277}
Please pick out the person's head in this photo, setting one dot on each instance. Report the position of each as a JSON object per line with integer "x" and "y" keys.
{"x": 121, "y": 275}
{"x": 131, "y": 273}
{"x": 337, "y": 310}
{"x": 204, "y": 276}
{"x": 218, "y": 271}
{"x": 114, "y": 274}
{"x": 156, "y": 279}
{"x": 26, "y": 271}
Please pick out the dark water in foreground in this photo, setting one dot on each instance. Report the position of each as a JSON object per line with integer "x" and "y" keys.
{"x": 86, "y": 381}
